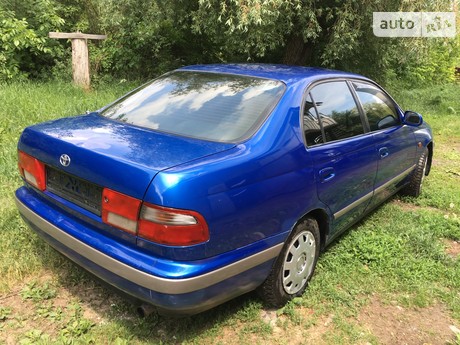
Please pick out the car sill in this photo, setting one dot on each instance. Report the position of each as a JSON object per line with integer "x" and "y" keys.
{"x": 154, "y": 283}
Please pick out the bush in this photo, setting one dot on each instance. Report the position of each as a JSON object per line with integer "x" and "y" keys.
{"x": 24, "y": 49}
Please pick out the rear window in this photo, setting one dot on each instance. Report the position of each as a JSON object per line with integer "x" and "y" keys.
{"x": 210, "y": 106}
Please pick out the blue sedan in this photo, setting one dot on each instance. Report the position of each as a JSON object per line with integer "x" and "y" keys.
{"x": 214, "y": 180}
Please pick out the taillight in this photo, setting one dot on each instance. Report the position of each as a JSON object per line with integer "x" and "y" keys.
{"x": 120, "y": 210}
{"x": 157, "y": 224}
{"x": 172, "y": 226}
{"x": 32, "y": 170}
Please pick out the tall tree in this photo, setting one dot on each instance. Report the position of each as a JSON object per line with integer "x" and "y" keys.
{"x": 331, "y": 33}
{"x": 148, "y": 37}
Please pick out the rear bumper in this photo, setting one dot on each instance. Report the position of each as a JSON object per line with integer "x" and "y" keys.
{"x": 182, "y": 293}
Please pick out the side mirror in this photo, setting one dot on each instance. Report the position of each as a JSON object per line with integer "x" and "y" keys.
{"x": 411, "y": 118}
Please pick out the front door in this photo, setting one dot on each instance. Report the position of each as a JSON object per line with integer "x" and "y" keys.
{"x": 396, "y": 157}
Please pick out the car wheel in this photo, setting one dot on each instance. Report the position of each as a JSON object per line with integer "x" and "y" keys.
{"x": 294, "y": 266}
{"x": 414, "y": 188}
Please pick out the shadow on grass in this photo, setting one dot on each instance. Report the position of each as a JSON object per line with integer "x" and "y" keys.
{"x": 110, "y": 308}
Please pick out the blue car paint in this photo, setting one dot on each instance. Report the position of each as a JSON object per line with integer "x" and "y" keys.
{"x": 259, "y": 188}
{"x": 184, "y": 303}
{"x": 402, "y": 158}
{"x": 290, "y": 75}
{"x": 355, "y": 166}
{"x": 251, "y": 193}
{"x": 124, "y": 252}
{"x": 97, "y": 146}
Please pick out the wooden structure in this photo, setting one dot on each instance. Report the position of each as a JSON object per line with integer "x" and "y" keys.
{"x": 80, "y": 58}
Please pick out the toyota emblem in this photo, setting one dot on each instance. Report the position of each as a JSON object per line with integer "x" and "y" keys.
{"x": 64, "y": 160}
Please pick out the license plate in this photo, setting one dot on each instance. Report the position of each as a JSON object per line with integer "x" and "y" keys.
{"x": 74, "y": 189}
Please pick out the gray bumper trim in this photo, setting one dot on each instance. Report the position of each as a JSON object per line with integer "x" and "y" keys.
{"x": 158, "y": 284}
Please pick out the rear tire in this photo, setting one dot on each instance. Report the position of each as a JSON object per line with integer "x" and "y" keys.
{"x": 414, "y": 188}
{"x": 294, "y": 266}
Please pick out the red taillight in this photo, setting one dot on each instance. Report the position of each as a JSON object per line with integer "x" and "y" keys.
{"x": 32, "y": 170}
{"x": 120, "y": 210}
{"x": 171, "y": 226}
{"x": 157, "y": 224}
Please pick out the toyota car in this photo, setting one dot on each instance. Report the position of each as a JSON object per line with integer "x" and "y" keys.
{"x": 214, "y": 180}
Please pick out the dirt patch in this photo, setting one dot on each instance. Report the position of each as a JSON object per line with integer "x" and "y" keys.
{"x": 450, "y": 148}
{"x": 452, "y": 248}
{"x": 29, "y": 319}
{"x": 306, "y": 327}
{"x": 386, "y": 324}
{"x": 413, "y": 208}
{"x": 393, "y": 324}
{"x": 23, "y": 319}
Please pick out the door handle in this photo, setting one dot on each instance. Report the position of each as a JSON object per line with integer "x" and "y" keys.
{"x": 384, "y": 152}
{"x": 326, "y": 174}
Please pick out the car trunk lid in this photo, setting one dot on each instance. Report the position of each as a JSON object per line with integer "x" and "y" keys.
{"x": 108, "y": 153}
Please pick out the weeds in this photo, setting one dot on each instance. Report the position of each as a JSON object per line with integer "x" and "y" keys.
{"x": 38, "y": 293}
{"x": 4, "y": 313}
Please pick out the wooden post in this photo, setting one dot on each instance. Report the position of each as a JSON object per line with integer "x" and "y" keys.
{"x": 80, "y": 57}
{"x": 80, "y": 62}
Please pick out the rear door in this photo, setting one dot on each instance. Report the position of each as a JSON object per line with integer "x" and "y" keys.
{"x": 344, "y": 154}
{"x": 395, "y": 143}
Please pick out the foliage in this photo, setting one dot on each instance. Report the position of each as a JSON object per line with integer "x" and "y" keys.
{"x": 38, "y": 293}
{"x": 333, "y": 34}
{"x": 251, "y": 30}
{"x": 145, "y": 37}
{"x": 149, "y": 37}
{"x": 436, "y": 61}
{"x": 4, "y": 313}
{"x": 24, "y": 26}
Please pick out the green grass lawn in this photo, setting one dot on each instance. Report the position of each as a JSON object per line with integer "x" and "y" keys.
{"x": 393, "y": 278}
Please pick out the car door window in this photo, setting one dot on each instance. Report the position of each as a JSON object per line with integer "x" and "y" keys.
{"x": 336, "y": 110}
{"x": 378, "y": 108}
{"x": 311, "y": 125}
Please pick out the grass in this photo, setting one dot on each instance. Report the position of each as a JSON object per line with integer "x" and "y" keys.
{"x": 398, "y": 256}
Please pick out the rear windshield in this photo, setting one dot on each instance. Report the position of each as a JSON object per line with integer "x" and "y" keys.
{"x": 210, "y": 106}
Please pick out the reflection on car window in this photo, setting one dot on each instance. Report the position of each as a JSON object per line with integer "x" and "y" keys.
{"x": 337, "y": 110}
{"x": 378, "y": 108}
{"x": 311, "y": 125}
{"x": 210, "y": 106}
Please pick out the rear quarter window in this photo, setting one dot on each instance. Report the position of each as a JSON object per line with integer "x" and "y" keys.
{"x": 209, "y": 106}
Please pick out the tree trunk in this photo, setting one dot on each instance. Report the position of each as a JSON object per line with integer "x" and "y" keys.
{"x": 297, "y": 51}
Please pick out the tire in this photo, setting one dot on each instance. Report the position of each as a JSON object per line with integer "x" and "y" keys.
{"x": 294, "y": 266}
{"x": 414, "y": 188}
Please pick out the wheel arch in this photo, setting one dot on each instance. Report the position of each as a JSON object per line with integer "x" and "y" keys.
{"x": 322, "y": 218}
{"x": 430, "y": 157}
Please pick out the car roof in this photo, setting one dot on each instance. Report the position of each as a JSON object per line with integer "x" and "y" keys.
{"x": 287, "y": 74}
